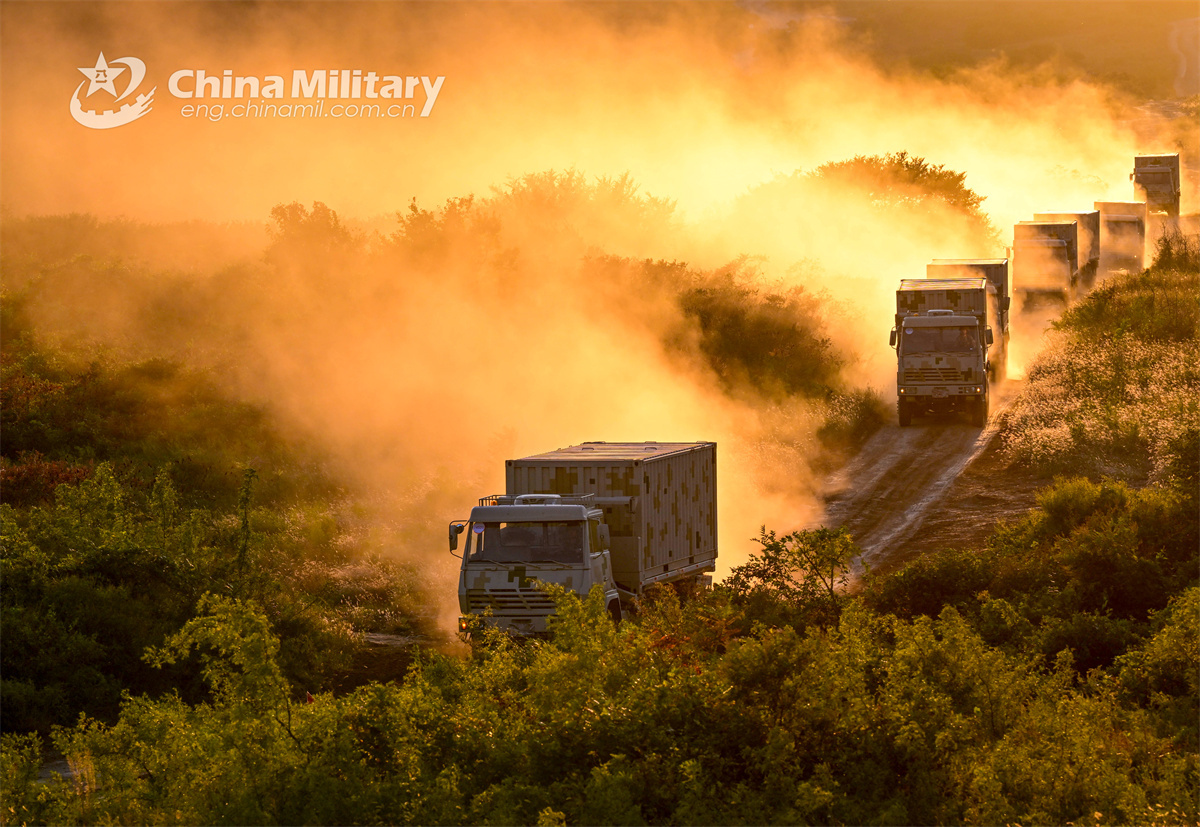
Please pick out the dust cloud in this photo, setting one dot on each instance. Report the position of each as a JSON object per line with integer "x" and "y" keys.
{"x": 444, "y": 314}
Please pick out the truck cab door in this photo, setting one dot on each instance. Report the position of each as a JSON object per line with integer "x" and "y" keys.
{"x": 599, "y": 555}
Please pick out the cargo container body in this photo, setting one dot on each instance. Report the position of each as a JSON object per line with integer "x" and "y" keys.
{"x": 1122, "y": 236}
{"x": 655, "y": 509}
{"x": 1088, "y": 226}
{"x": 1045, "y": 262}
{"x": 1156, "y": 181}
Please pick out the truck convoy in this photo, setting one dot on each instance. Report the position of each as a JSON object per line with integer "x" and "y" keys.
{"x": 1156, "y": 181}
{"x": 951, "y": 329}
{"x": 1045, "y": 262}
{"x": 942, "y": 337}
{"x": 1088, "y": 226}
{"x": 621, "y": 515}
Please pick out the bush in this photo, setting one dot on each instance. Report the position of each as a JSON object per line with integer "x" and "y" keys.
{"x": 931, "y": 583}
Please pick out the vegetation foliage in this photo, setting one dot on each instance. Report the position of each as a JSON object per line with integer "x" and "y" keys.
{"x": 1119, "y": 393}
{"x": 897, "y": 179}
{"x": 127, "y": 496}
{"x": 897, "y": 185}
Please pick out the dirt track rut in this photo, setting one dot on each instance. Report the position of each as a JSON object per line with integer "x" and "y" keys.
{"x": 885, "y": 494}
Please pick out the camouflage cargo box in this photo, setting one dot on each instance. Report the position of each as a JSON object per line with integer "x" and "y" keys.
{"x": 659, "y": 500}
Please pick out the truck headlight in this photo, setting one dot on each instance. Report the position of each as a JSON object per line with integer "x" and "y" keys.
{"x": 902, "y": 390}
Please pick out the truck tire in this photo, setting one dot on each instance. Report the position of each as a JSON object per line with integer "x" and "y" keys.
{"x": 614, "y": 611}
{"x": 903, "y": 412}
{"x": 979, "y": 412}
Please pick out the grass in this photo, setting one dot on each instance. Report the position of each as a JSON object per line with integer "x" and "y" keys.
{"x": 1118, "y": 393}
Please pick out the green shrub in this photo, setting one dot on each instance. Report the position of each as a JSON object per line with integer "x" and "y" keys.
{"x": 931, "y": 583}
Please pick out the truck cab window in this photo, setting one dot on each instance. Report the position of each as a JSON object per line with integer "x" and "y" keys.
{"x": 961, "y": 340}
{"x": 920, "y": 339}
{"x": 940, "y": 340}
{"x": 529, "y": 542}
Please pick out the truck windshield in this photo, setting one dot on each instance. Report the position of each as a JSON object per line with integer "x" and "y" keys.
{"x": 528, "y": 542}
{"x": 940, "y": 340}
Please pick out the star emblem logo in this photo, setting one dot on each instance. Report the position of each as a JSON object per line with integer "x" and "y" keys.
{"x": 101, "y": 76}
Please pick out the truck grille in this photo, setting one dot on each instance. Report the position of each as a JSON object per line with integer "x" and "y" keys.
{"x": 509, "y": 600}
{"x": 933, "y": 375}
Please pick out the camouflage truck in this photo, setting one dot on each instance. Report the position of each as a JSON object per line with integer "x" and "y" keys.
{"x": 1122, "y": 236}
{"x": 1045, "y": 262}
{"x": 997, "y": 273}
{"x": 1088, "y": 226}
{"x": 621, "y": 515}
{"x": 1156, "y": 181}
{"x": 942, "y": 339}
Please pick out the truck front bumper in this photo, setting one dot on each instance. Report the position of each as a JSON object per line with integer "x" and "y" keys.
{"x": 523, "y": 625}
{"x": 928, "y": 393}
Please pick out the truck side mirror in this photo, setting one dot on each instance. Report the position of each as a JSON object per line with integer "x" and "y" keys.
{"x": 455, "y": 530}
{"x": 892, "y": 338}
{"x": 987, "y": 336}
{"x": 604, "y": 539}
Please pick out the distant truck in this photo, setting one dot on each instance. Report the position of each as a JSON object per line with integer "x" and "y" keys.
{"x": 1045, "y": 262}
{"x": 1156, "y": 181}
{"x": 1088, "y": 226}
{"x": 1122, "y": 235}
{"x": 998, "y": 274}
{"x": 942, "y": 339}
{"x": 621, "y": 515}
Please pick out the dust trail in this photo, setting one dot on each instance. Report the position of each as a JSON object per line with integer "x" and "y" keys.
{"x": 444, "y": 312}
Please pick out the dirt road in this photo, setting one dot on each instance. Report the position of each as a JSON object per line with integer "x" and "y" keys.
{"x": 909, "y": 489}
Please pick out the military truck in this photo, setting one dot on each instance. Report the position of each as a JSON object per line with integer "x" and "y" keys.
{"x": 1156, "y": 181}
{"x": 1122, "y": 236}
{"x": 997, "y": 272}
{"x": 1088, "y": 226}
{"x": 621, "y": 515}
{"x": 1045, "y": 262}
{"x": 942, "y": 339}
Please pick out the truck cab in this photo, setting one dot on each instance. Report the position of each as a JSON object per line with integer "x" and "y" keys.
{"x": 942, "y": 365}
{"x": 514, "y": 542}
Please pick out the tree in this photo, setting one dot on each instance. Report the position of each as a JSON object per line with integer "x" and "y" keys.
{"x": 898, "y": 179}
{"x": 797, "y": 579}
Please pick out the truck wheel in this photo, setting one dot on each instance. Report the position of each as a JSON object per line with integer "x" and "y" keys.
{"x": 979, "y": 412}
{"x": 903, "y": 413}
{"x": 614, "y": 611}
